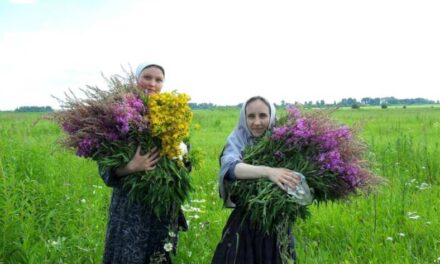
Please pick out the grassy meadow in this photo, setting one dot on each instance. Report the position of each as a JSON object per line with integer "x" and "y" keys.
{"x": 53, "y": 205}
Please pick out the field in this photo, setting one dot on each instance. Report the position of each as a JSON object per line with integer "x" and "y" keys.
{"x": 53, "y": 205}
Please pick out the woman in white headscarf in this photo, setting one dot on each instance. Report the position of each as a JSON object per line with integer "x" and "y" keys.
{"x": 134, "y": 233}
{"x": 241, "y": 241}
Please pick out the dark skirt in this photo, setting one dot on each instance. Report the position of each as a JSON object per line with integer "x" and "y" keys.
{"x": 135, "y": 235}
{"x": 243, "y": 243}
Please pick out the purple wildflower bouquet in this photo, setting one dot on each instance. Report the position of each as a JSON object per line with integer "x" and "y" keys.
{"x": 329, "y": 155}
{"x": 108, "y": 126}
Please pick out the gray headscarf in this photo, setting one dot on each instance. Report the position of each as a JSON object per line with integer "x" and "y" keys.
{"x": 239, "y": 138}
{"x": 144, "y": 65}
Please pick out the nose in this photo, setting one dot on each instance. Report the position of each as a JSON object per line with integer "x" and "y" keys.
{"x": 257, "y": 121}
{"x": 151, "y": 83}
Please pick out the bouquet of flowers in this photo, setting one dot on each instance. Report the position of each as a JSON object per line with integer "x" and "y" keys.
{"x": 108, "y": 127}
{"x": 328, "y": 154}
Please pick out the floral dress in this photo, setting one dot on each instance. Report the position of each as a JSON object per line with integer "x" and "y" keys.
{"x": 134, "y": 233}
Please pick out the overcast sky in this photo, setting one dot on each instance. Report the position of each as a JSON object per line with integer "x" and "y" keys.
{"x": 223, "y": 51}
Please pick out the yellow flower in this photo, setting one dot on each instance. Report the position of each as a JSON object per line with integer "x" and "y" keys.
{"x": 170, "y": 116}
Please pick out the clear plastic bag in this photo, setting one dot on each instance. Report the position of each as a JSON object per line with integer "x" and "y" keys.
{"x": 301, "y": 194}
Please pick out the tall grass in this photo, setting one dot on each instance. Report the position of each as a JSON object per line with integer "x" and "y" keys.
{"x": 53, "y": 205}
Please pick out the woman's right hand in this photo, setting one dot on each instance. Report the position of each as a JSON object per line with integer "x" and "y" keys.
{"x": 140, "y": 162}
{"x": 283, "y": 177}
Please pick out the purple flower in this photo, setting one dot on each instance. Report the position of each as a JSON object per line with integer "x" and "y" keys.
{"x": 126, "y": 112}
{"x": 280, "y": 132}
{"x": 344, "y": 133}
{"x": 330, "y": 161}
{"x": 111, "y": 136}
{"x": 86, "y": 147}
{"x": 301, "y": 129}
{"x": 279, "y": 155}
{"x": 293, "y": 111}
{"x": 328, "y": 140}
{"x": 351, "y": 175}
{"x": 135, "y": 103}
{"x": 69, "y": 127}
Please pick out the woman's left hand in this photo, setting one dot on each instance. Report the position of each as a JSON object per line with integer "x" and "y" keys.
{"x": 283, "y": 177}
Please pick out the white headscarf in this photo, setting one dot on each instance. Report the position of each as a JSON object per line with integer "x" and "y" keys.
{"x": 144, "y": 65}
{"x": 237, "y": 141}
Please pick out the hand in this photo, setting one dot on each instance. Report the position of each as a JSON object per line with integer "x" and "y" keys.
{"x": 140, "y": 162}
{"x": 145, "y": 162}
{"x": 283, "y": 177}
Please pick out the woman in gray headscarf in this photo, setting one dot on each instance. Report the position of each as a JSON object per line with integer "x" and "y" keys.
{"x": 134, "y": 233}
{"x": 241, "y": 241}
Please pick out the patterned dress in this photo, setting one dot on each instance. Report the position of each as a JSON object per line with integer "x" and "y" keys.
{"x": 134, "y": 233}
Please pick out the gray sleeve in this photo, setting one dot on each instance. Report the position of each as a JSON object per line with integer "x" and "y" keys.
{"x": 230, "y": 174}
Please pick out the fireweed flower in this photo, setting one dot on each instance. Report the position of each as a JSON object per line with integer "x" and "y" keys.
{"x": 127, "y": 112}
{"x": 86, "y": 147}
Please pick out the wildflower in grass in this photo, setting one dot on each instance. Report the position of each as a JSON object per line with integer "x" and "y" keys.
{"x": 389, "y": 239}
{"x": 413, "y": 215}
{"x": 423, "y": 186}
{"x": 56, "y": 243}
{"x": 172, "y": 234}
{"x": 401, "y": 234}
{"x": 168, "y": 247}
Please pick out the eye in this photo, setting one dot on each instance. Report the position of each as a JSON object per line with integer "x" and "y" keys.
{"x": 251, "y": 116}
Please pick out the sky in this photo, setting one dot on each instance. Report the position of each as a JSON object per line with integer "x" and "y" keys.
{"x": 222, "y": 52}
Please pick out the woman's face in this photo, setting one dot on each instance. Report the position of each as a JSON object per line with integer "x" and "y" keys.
{"x": 257, "y": 117}
{"x": 151, "y": 80}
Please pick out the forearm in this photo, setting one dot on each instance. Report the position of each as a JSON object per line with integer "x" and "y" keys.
{"x": 247, "y": 171}
{"x": 124, "y": 170}
{"x": 279, "y": 176}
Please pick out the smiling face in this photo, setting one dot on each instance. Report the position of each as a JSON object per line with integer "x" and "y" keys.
{"x": 151, "y": 80}
{"x": 257, "y": 117}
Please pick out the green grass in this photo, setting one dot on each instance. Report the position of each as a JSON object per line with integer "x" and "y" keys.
{"x": 53, "y": 205}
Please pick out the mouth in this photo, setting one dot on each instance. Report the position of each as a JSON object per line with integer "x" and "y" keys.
{"x": 149, "y": 91}
{"x": 258, "y": 131}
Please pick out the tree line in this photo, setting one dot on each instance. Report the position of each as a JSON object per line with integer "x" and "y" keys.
{"x": 33, "y": 109}
{"x": 350, "y": 102}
